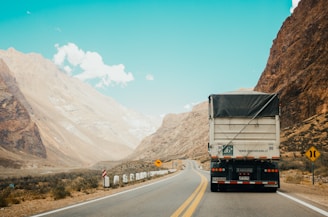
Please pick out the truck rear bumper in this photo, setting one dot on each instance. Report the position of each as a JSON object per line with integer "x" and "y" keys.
{"x": 273, "y": 184}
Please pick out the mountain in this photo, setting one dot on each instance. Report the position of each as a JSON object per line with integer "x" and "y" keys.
{"x": 180, "y": 136}
{"x": 17, "y": 130}
{"x": 76, "y": 124}
{"x": 310, "y": 132}
{"x": 297, "y": 69}
{"x": 297, "y": 65}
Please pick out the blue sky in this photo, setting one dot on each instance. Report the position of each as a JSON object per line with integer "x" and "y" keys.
{"x": 154, "y": 56}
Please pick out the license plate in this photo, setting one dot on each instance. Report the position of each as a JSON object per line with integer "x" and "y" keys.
{"x": 244, "y": 178}
{"x": 216, "y": 179}
{"x": 244, "y": 170}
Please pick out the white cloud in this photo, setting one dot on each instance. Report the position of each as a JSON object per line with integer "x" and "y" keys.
{"x": 67, "y": 69}
{"x": 90, "y": 66}
{"x": 294, "y": 5}
{"x": 149, "y": 77}
{"x": 189, "y": 106}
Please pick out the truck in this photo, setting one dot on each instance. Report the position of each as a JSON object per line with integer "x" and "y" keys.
{"x": 244, "y": 139}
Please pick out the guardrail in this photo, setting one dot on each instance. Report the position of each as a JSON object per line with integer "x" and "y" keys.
{"x": 132, "y": 177}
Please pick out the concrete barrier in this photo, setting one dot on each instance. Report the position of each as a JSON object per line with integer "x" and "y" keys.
{"x": 125, "y": 179}
{"x": 116, "y": 180}
{"x": 137, "y": 176}
{"x": 131, "y": 177}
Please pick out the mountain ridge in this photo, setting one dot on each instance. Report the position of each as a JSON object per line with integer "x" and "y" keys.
{"x": 78, "y": 125}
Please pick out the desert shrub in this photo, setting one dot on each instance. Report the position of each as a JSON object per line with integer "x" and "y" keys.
{"x": 321, "y": 171}
{"x": 57, "y": 185}
{"x": 297, "y": 179}
{"x": 323, "y": 159}
{"x": 78, "y": 184}
{"x": 83, "y": 183}
{"x": 291, "y": 165}
{"x": 3, "y": 197}
{"x": 13, "y": 200}
{"x": 93, "y": 181}
{"x": 59, "y": 192}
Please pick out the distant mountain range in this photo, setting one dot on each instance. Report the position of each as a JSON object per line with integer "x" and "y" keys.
{"x": 50, "y": 118}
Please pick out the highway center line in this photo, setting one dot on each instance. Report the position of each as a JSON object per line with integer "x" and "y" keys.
{"x": 193, "y": 199}
{"x": 193, "y": 206}
{"x": 321, "y": 211}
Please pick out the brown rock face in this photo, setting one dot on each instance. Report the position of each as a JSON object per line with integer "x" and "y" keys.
{"x": 298, "y": 64}
{"x": 17, "y": 131}
{"x": 180, "y": 136}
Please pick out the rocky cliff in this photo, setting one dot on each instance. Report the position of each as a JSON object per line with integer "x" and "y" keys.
{"x": 297, "y": 65}
{"x": 18, "y": 133}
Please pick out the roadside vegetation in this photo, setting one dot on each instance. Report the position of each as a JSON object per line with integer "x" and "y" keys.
{"x": 302, "y": 168}
{"x": 17, "y": 189}
{"x": 57, "y": 186}
{"x": 295, "y": 169}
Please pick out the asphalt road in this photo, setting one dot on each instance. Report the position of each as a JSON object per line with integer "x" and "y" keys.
{"x": 188, "y": 194}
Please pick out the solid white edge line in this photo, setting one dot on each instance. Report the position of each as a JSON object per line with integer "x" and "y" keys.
{"x": 101, "y": 198}
{"x": 321, "y": 211}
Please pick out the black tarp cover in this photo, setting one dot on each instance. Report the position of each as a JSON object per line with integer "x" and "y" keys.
{"x": 245, "y": 105}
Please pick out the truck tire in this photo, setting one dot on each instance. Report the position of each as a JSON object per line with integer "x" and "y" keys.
{"x": 272, "y": 190}
{"x": 222, "y": 188}
{"x": 214, "y": 187}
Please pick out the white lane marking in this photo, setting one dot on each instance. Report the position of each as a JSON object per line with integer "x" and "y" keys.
{"x": 102, "y": 198}
{"x": 321, "y": 211}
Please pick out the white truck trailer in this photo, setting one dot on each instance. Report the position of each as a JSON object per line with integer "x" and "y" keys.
{"x": 244, "y": 138}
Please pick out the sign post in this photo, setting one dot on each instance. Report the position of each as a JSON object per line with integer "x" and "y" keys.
{"x": 105, "y": 178}
{"x": 313, "y": 154}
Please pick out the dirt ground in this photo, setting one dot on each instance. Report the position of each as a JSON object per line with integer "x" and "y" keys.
{"x": 316, "y": 194}
{"x": 304, "y": 189}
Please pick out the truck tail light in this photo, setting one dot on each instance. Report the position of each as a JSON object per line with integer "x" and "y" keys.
{"x": 218, "y": 169}
{"x": 271, "y": 170}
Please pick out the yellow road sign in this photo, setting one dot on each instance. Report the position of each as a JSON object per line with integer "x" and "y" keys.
{"x": 312, "y": 153}
{"x": 158, "y": 163}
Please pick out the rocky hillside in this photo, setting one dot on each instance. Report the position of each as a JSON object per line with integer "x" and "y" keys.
{"x": 76, "y": 124}
{"x": 297, "y": 65}
{"x": 18, "y": 133}
{"x": 310, "y": 132}
{"x": 180, "y": 136}
{"x": 297, "y": 69}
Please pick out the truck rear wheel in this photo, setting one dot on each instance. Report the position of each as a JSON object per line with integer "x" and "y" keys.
{"x": 222, "y": 188}
{"x": 271, "y": 190}
{"x": 214, "y": 187}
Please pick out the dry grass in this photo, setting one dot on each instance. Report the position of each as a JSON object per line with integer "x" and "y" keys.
{"x": 58, "y": 186}
{"x": 30, "y": 207}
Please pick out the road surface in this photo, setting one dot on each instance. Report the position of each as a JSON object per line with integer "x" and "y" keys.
{"x": 188, "y": 194}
